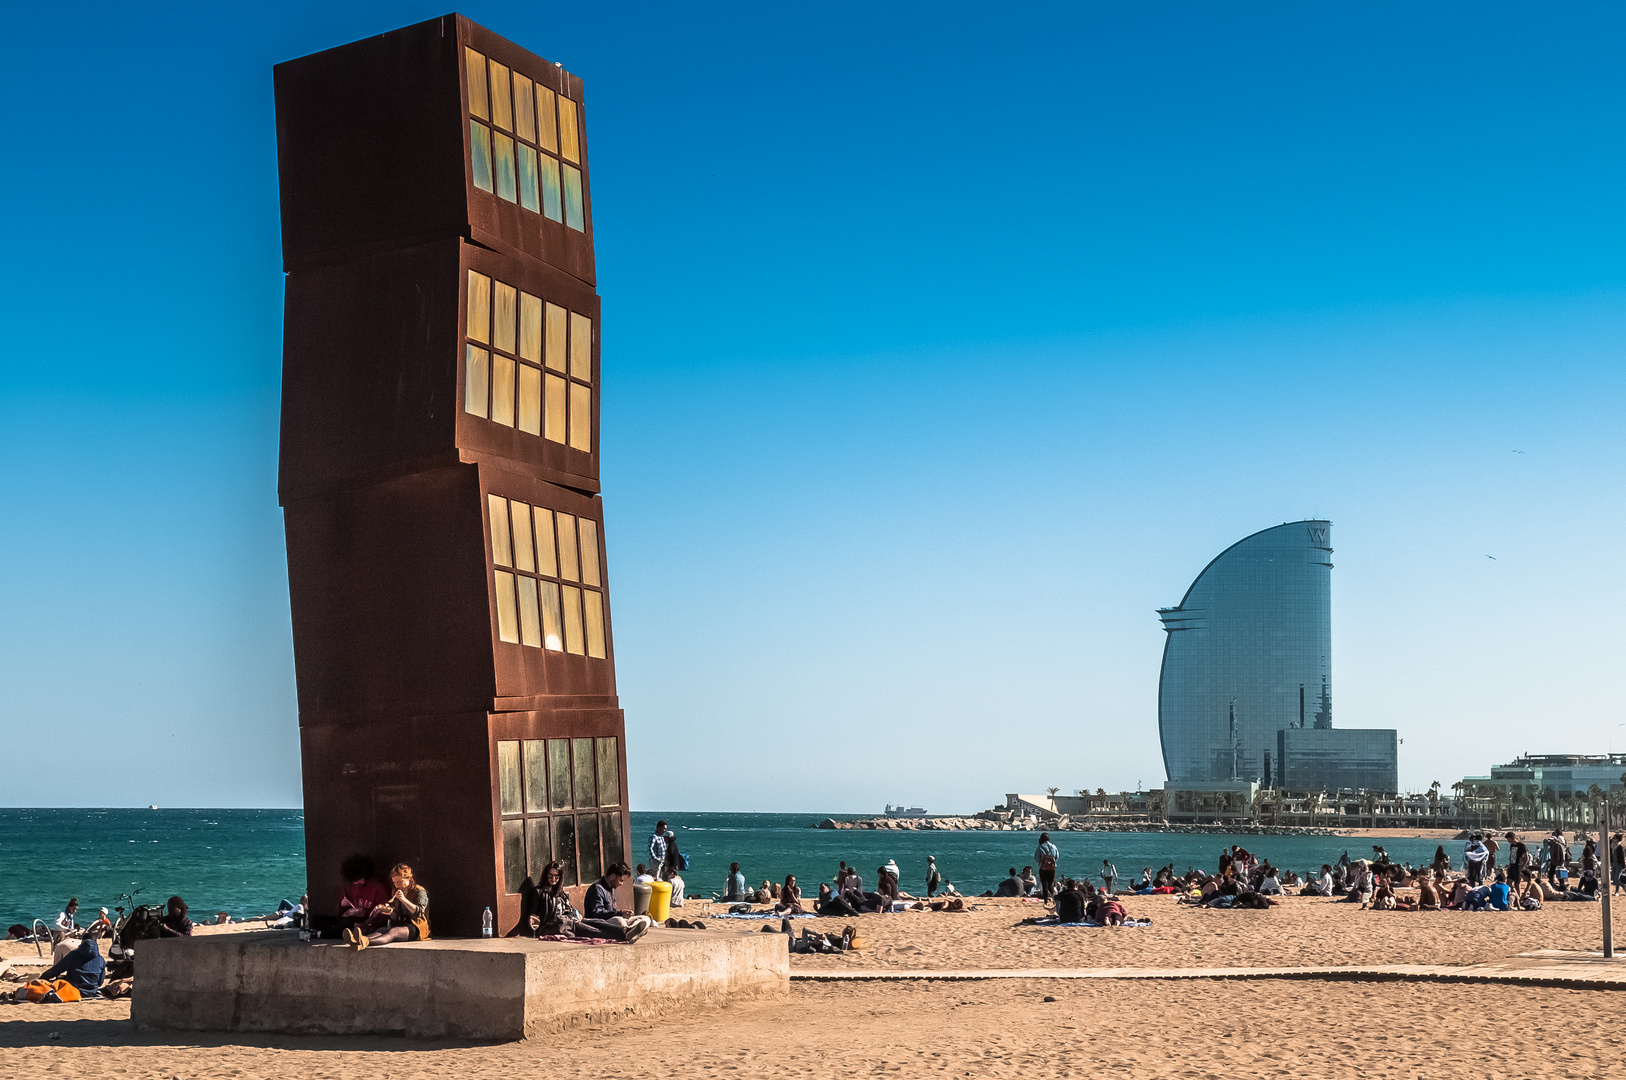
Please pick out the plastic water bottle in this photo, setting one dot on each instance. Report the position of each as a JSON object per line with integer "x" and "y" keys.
{"x": 485, "y": 924}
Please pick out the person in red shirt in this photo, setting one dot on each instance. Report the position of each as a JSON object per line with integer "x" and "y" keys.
{"x": 362, "y": 890}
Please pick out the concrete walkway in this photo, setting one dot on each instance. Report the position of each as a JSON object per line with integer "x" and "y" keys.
{"x": 1549, "y": 967}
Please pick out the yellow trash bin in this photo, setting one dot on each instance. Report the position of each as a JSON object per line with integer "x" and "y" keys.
{"x": 660, "y": 900}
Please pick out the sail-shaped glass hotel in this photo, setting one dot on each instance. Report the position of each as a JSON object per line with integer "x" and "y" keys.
{"x": 1248, "y": 663}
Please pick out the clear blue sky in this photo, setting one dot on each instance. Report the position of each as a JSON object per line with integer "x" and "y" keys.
{"x": 1028, "y": 312}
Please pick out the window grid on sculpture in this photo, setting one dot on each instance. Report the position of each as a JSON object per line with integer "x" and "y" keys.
{"x": 528, "y": 363}
{"x": 524, "y": 141}
{"x": 547, "y": 577}
{"x": 543, "y": 788}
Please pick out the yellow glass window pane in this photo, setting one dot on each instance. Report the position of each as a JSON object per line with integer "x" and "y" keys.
{"x": 536, "y": 776}
{"x": 474, "y": 65}
{"x": 530, "y": 399}
{"x": 504, "y": 310}
{"x": 502, "y": 112}
{"x": 568, "y": 567}
{"x": 575, "y": 212}
{"x": 593, "y": 613}
{"x": 476, "y": 380}
{"x": 581, "y": 347}
{"x": 503, "y": 163}
{"x": 520, "y": 514}
{"x": 479, "y": 316}
{"x": 553, "y": 408}
{"x": 609, "y": 773}
{"x": 547, "y": 135}
{"x": 569, "y": 136}
{"x": 502, "y": 552}
{"x": 553, "y": 206}
{"x": 573, "y": 620}
{"x": 508, "y": 788}
{"x": 524, "y": 108}
{"x": 581, "y": 418}
{"x": 507, "y": 608}
{"x": 555, "y": 322}
{"x": 589, "y": 531}
{"x": 584, "y": 772}
{"x": 530, "y": 328}
{"x": 547, "y": 564}
{"x": 553, "y": 634}
{"x": 530, "y": 625}
{"x": 559, "y": 773}
{"x": 480, "y": 154}
{"x": 502, "y": 389}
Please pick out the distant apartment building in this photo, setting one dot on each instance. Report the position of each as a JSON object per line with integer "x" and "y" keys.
{"x": 1562, "y": 774}
{"x": 1245, "y": 691}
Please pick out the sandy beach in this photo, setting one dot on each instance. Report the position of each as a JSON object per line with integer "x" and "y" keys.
{"x": 995, "y": 1029}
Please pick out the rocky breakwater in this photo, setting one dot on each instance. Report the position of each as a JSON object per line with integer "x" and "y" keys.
{"x": 925, "y": 824}
{"x": 970, "y": 824}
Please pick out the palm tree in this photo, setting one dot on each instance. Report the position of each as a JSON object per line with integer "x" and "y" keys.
{"x": 1158, "y": 802}
{"x": 1434, "y": 801}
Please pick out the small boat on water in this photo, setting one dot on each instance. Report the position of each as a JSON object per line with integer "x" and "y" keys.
{"x": 905, "y": 811}
{"x": 152, "y": 806}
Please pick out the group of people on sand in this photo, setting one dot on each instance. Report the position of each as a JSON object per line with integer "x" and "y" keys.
{"x": 78, "y": 969}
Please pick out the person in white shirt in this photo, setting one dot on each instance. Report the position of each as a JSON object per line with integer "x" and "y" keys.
{"x": 1272, "y": 885}
{"x": 66, "y": 924}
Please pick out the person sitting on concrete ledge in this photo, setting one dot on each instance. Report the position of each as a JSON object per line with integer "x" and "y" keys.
{"x": 555, "y": 917}
{"x": 363, "y": 892}
{"x": 407, "y": 917}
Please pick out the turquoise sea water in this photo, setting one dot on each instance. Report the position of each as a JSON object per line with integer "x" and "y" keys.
{"x": 244, "y": 861}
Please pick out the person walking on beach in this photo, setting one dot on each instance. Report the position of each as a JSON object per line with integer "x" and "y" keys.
{"x": 933, "y": 878}
{"x": 1109, "y": 874}
{"x": 1046, "y": 854}
{"x": 657, "y": 849}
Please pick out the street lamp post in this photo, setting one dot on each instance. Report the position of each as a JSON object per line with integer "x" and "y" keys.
{"x": 1606, "y": 885}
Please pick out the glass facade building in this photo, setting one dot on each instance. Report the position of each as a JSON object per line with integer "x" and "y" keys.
{"x": 1248, "y": 654}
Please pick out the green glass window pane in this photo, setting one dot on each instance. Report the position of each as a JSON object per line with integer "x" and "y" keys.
{"x": 502, "y": 113}
{"x": 530, "y": 628}
{"x": 593, "y": 618}
{"x": 547, "y": 128}
{"x": 559, "y": 773}
{"x": 573, "y": 620}
{"x": 573, "y": 199}
{"x": 474, "y": 65}
{"x": 587, "y": 846}
{"x": 479, "y": 315}
{"x": 569, "y": 137}
{"x": 528, "y": 191}
{"x": 513, "y": 854}
{"x": 586, "y": 775}
{"x": 610, "y": 835}
{"x": 530, "y": 400}
{"x": 507, "y": 608}
{"x": 564, "y": 846}
{"x": 552, "y": 207}
{"x": 506, "y": 188}
{"x": 508, "y": 787}
{"x": 547, "y": 563}
{"x": 480, "y": 152}
{"x": 538, "y": 845}
{"x": 589, "y": 551}
{"x": 524, "y": 108}
{"x": 502, "y": 389}
{"x": 536, "y": 776}
{"x": 581, "y": 418}
{"x": 476, "y": 381}
{"x": 553, "y": 633}
{"x": 502, "y": 552}
{"x": 530, "y": 328}
{"x": 609, "y": 773}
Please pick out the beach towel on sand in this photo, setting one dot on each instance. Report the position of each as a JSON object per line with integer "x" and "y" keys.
{"x": 759, "y": 915}
{"x": 1053, "y": 923}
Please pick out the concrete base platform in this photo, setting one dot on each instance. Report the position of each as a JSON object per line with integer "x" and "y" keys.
{"x": 498, "y": 989}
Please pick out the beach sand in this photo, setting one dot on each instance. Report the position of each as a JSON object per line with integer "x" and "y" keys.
{"x": 989, "y": 1029}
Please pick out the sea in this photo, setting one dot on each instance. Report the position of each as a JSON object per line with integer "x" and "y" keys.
{"x": 244, "y": 861}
